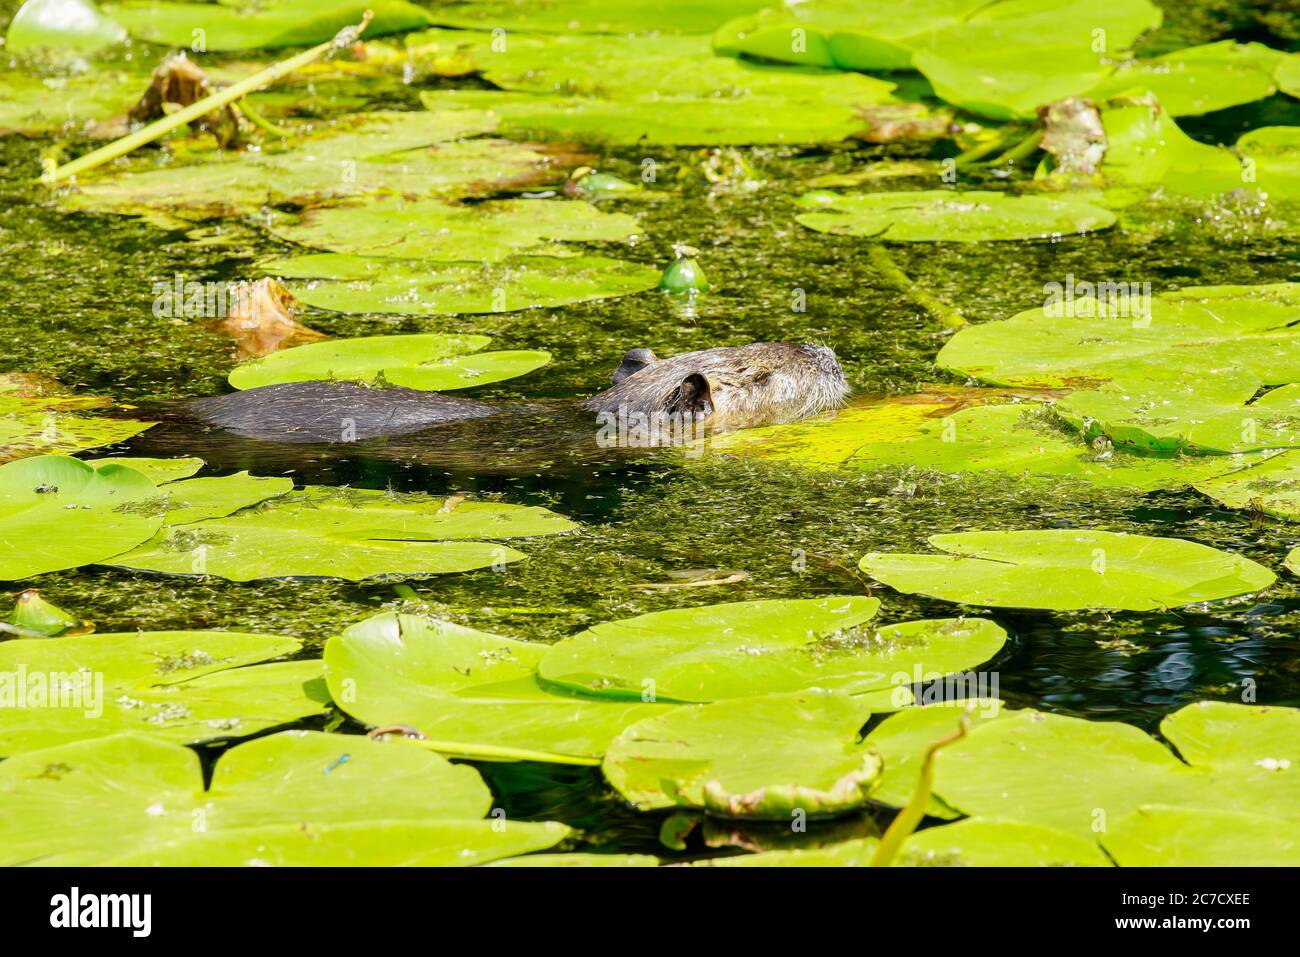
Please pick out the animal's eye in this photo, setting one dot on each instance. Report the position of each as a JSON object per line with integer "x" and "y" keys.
{"x": 762, "y": 379}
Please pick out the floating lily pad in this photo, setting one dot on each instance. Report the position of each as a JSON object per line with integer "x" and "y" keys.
{"x": 1287, "y": 75}
{"x": 428, "y": 229}
{"x": 467, "y": 692}
{"x": 260, "y": 24}
{"x": 158, "y": 471}
{"x": 1084, "y": 777}
{"x": 410, "y": 154}
{"x": 591, "y": 16}
{"x": 39, "y": 418}
{"x": 135, "y": 798}
{"x": 662, "y": 89}
{"x": 933, "y": 431}
{"x": 1271, "y": 487}
{"x": 1161, "y": 836}
{"x": 35, "y": 105}
{"x": 458, "y": 843}
{"x": 767, "y": 758}
{"x": 1270, "y": 159}
{"x": 414, "y": 288}
{"x": 435, "y": 362}
{"x": 848, "y": 34}
{"x": 903, "y": 740}
{"x": 1199, "y": 79}
{"x": 1199, "y": 416}
{"x": 740, "y": 649}
{"x": 57, "y": 512}
{"x": 1010, "y": 57}
{"x": 981, "y": 842}
{"x": 194, "y": 500}
{"x": 1244, "y": 331}
{"x": 579, "y": 860}
{"x": 61, "y": 25}
{"x": 1145, "y": 148}
{"x": 1064, "y": 568}
{"x": 975, "y": 842}
{"x": 939, "y": 215}
{"x": 351, "y": 534}
{"x": 1196, "y": 396}
{"x": 184, "y": 686}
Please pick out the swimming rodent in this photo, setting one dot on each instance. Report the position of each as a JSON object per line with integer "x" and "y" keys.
{"x": 719, "y": 389}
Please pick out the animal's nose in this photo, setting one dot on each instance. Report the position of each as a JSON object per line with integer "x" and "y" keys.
{"x": 825, "y": 358}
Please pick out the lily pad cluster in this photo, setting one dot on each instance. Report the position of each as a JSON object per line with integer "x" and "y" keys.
{"x": 293, "y": 798}
{"x": 715, "y": 680}
{"x": 58, "y": 512}
{"x": 39, "y": 417}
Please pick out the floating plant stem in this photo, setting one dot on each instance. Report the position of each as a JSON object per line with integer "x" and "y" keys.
{"x": 1022, "y": 149}
{"x": 159, "y": 128}
{"x": 901, "y": 828}
{"x": 948, "y": 316}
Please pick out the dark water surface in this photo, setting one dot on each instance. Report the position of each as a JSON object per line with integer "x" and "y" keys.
{"x": 75, "y": 294}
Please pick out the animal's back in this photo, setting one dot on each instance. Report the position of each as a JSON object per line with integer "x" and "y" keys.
{"x": 332, "y": 411}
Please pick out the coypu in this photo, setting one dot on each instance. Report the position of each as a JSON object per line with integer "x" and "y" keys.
{"x": 711, "y": 390}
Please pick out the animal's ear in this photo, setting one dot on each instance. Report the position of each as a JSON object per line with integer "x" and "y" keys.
{"x": 633, "y": 361}
{"x": 693, "y": 397}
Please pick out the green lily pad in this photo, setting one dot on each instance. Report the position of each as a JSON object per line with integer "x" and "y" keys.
{"x": 661, "y": 89}
{"x": 1287, "y": 75}
{"x": 415, "y": 288}
{"x": 1145, "y": 148}
{"x": 740, "y": 649}
{"x": 57, "y": 512}
{"x": 194, "y": 500}
{"x": 981, "y": 842}
{"x": 939, "y": 215}
{"x": 902, "y": 740}
{"x": 1241, "y": 331}
{"x": 975, "y": 842}
{"x": 1011, "y": 57}
{"x": 1271, "y": 487}
{"x": 410, "y": 154}
{"x": 1199, "y": 79}
{"x": 579, "y": 860}
{"x": 467, "y": 692}
{"x": 61, "y": 25}
{"x": 1084, "y": 777}
{"x": 1199, "y": 416}
{"x": 1022, "y": 440}
{"x": 665, "y": 121}
{"x": 351, "y": 534}
{"x": 1065, "y": 568}
{"x": 41, "y": 418}
{"x": 184, "y": 686}
{"x": 458, "y": 843}
{"x": 1271, "y": 155}
{"x": 434, "y": 362}
{"x": 591, "y": 16}
{"x": 848, "y": 34}
{"x": 128, "y": 796}
{"x": 158, "y": 471}
{"x": 35, "y": 105}
{"x": 1019, "y": 439}
{"x": 768, "y": 758}
{"x": 1162, "y": 836}
{"x": 428, "y": 229}
{"x": 260, "y": 24}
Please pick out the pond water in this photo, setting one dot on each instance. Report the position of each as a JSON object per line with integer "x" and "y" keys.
{"x": 76, "y": 292}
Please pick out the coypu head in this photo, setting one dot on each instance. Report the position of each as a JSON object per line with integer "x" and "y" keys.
{"x": 735, "y": 387}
